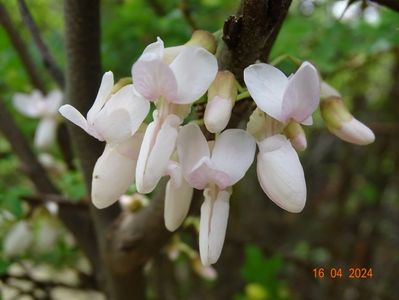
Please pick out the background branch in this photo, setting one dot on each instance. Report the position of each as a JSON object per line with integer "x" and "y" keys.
{"x": 392, "y": 4}
{"x": 47, "y": 58}
{"x": 251, "y": 33}
{"x": 21, "y": 49}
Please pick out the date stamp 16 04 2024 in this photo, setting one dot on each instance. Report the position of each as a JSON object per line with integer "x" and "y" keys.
{"x": 343, "y": 273}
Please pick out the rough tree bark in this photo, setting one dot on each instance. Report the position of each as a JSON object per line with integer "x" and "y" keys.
{"x": 249, "y": 36}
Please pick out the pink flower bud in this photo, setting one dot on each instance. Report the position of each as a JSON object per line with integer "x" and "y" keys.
{"x": 203, "y": 39}
{"x": 341, "y": 123}
{"x": 221, "y": 96}
{"x": 294, "y": 132}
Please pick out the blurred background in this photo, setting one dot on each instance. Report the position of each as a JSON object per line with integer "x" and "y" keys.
{"x": 351, "y": 218}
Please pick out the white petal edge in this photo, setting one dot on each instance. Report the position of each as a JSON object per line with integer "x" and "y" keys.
{"x": 157, "y": 147}
{"x": 72, "y": 114}
{"x": 302, "y": 96}
{"x": 177, "y": 203}
{"x": 122, "y": 115}
{"x": 233, "y": 153}
{"x": 280, "y": 173}
{"x": 355, "y": 132}
{"x": 45, "y": 133}
{"x": 191, "y": 147}
{"x": 205, "y": 172}
{"x": 217, "y": 114}
{"x": 194, "y": 69}
{"x": 266, "y": 85}
{"x": 113, "y": 173}
{"x": 153, "y": 51}
{"x": 213, "y": 225}
{"x": 104, "y": 92}
{"x": 154, "y": 79}
{"x": 54, "y": 101}
{"x": 26, "y": 105}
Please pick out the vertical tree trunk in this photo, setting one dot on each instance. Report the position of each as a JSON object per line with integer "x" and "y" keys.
{"x": 83, "y": 73}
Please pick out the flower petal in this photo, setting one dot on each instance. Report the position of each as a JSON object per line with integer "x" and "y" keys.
{"x": 27, "y": 104}
{"x": 280, "y": 173}
{"x": 18, "y": 239}
{"x": 193, "y": 82}
{"x": 122, "y": 115}
{"x": 191, "y": 147}
{"x": 45, "y": 133}
{"x": 213, "y": 224}
{"x": 72, "y": 114}
{"x": 153, "y": 51}
{"x": 177, "y": 203}
{"x": 205, "y": 172}
{"x": 302, "y": 95}
{"x": 157, "y": 147}
{"x": 104, "y": 92}
{"x": 266, "y": 85}
{"x": 233, "y": 153}
{"x": 354, "y": 132}
{"x": 154, "y": 79}
{"x": 217, "y": 114}
{"x": 53, "y": 101}
{"x": 114, "y": 173}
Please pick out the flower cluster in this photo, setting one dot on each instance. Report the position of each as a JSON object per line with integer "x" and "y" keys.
{"x": 36, "y": 105}
{"x": 173, "y": 144}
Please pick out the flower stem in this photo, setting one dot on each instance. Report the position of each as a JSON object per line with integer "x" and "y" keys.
{"x": 283, "y": 57}
{"x": 245, "y": 94}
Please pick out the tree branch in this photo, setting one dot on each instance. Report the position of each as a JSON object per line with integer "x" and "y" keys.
{"x": 392, "y": 4}
{"x": 41, "y": 199}
{"x": 158, "y": 9}
{"x": 251, "y": 33}
{"x": 21, "y": 49}
{"x": 47, "y": 58}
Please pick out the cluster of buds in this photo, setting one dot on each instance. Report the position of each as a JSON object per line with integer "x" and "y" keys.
{"x": 171, "y": 145}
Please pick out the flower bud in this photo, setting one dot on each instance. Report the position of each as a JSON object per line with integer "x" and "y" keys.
{"x": 205, "y": 272}
{"x": 120, "y": 84}
{"x": 294, "y": 132}
{"x": 18, "y": 239}
{"x": 221, "y": 96}
{"x": 47, "y": 236}
{"x": 341, "y": 123}
{"x": 133, "y": 203}
{"x": 261, "y": 126}
{"x": 203, "y": 39}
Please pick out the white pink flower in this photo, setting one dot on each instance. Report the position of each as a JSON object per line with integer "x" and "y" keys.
{"x": 284, "y": 100}
{"x": 170, "y": 85}
{"x": 214, "y": 170}
{"x": 36, "y": 105}
{"x": 116, "y": 119}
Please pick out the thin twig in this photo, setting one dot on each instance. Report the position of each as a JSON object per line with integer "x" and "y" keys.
{"x": 63, "y": 201}
{"x": 187, "y": 14}
{"x": 48, "y": 60}
{"x": 392, "y": 4}
{"x": 158, "y": 9}
{"x": 21, "y": 49}
{"x": 23, "y": 150}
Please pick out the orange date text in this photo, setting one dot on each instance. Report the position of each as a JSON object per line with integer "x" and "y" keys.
{"x": 338, "y": 273}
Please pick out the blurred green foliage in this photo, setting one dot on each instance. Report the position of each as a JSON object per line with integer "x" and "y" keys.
{"x": 262, "y": 276}
{"x": 353, "y": 55}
